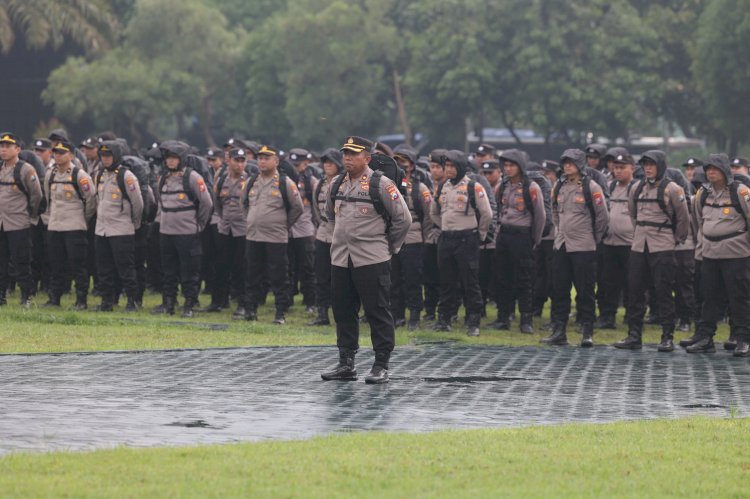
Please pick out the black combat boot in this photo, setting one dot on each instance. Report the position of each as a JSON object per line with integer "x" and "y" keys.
{"x": 742, "y": 349}
{"x": 213, "y": 308}
{"x": 667, "y": 337}
{"x": 443, "y": 324}
{"x": 633, "y": 340}
{"x": 251, "y": 314}
{"x": 187, "y": 309}
{"x": 731, "y": 343}
{"x": 684, "y": 325}
{"x": 429, "y": 315}
{"x": 502, "y": 323}
{"x": 689, "y": 341}
{"x": 399, "y": 322}
{"x": 322, "y": 318}
{"x": 52, "y": 301}
{"x": 25, "y": 299}
{"x": 527, "y": 324}
{"x": 605, "y": 322}
{"x": 239, "y": 314}
{"x": 379, "y": 372}
{"x": 413, "y": 324}
{"x": 472, "y": 325}
{"x": 131, "y": 305}
{"x": 81, "y": 303}
{"x": 166, "y": 306}
{"x": 344, "y": 370}
{"x": 559, "y": 336}
{"x": 704, "y": 345}
{"x": 587, "y": 331}
{"x": 3, "y": 299}
{"x": 279, "y": 318}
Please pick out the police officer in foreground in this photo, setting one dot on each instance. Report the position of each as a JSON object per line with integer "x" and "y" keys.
{"x": 723, "y": 212}
{"x": 20, "y": 196}
{"x": 71, "y": 203}
{"x": 361, "y": 251}
{"x": 581, "y": 217}
{"x": 186, "y": 208}
{"x": 462, "y": 210}
{"x": 272, "y": 204}
{"x": 119, "y": 211}
{"x": 660, "y": 215}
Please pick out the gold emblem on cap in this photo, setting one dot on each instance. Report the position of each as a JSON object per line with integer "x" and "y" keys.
{"x": 8, "y": 138}
{"x": 350, "y": 141}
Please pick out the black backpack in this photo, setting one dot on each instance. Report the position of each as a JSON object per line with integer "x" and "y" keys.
{"x": 142, "y": 171}
{"x": 18, "y": 181}
{"x": 660, "y": 190}
{"x": 73, "y": 182}
{"x": 251, "y": 182}
{"x": 587, "y": 197}
{"x": 388, "y": 167}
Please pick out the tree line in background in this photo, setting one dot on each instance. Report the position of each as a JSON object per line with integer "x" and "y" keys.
{"x": 307, "y": 72}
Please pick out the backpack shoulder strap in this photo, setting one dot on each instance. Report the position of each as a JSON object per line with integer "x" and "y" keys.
{"x": 318, "y": 190}
{"x": 307, "y": 180}
{"x": 121, "y": 172}
{"x": 283, "y": 191}
{"x": 17, "y": 178}
{"x": 555, "y": 191}
{"x": 527, "y": 196}
{"x": 472, "y": 196}
{"x": 186, "y": 185}
{"x": 74, "y": 179}
{"x": 612, "y": 186}
{"x": 374, "y": 191}
{"x": 248, "y": 187}
{"x": 589, "y": 199}
{"x": 415, "y": 199}
{"x": 438, "y": 192}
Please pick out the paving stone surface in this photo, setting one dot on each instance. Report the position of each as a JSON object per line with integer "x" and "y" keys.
{"x": 87, "y": 401}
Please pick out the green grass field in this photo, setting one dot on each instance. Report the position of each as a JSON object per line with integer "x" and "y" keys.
{"x": 693, "y": 457}
{"x": 60, "y": 330}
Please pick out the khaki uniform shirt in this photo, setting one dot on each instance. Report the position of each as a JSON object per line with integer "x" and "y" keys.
{"x": 229, "y": 207}
{"x": 453, "y": 212}
{"x": 67, "y": 211}
{"x": 17, "y": 211}
{"x": 620, "y": 232}
{"x": 718, "y": 218}
{"x": 512, "y": 210}
{"x": 324, "y": 232}
{"x": 432, "y": 236}
{"x": 267, "y": 219}
{"x": 359, "y": 231}
{"x": 118, "y": 215}
{"x": 305, "y": 225}
{"x": 573, "y": 219}
{"x": 658, "y": 238}
{"x": 418, "y": 232}
{"x": 172, "y": 196}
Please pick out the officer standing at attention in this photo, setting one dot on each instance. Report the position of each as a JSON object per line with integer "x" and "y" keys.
{"x": 660, "y": 215}
{"x": 617, "y": 242}
{"x": 723, "y": 212}
{"x": 186, "y": 208}
{"x": 431, "y": 270}
{"x": 20, "y": 196}
{"x": 521, "y": 217}
{"x": 461, "y": 209}
{"x": 331, "y": 160}
{"x": 581, "y": 217}
{"x": 302, "y": 233}
{"x": 71, "y": 203}
{"x": 272, "y": 204}
{"x": 361, "y": 250}
{"x": 230, "y": 240}
{"x": 119, "y": 211}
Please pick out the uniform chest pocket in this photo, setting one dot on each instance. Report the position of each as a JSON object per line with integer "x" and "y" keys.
{"x": 363, "y": 210}
{"x": 460, "y": 201}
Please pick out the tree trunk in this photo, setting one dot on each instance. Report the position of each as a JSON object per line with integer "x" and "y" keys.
{"x": 205, "y": 122}
{"x": 403, "y": 119}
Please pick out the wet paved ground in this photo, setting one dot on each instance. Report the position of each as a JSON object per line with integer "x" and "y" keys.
{"x": 85, "y": 401}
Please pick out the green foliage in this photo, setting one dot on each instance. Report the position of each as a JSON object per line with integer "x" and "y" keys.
{"x": 723, "y": 44}
{"x": 88, "y": 23}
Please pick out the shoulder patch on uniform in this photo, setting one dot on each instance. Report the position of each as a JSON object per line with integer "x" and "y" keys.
{"x": 84, "y": 183}
{"x": 427, "y": 196}
{"x": 598, "y": 198}
{"x": 131, "y": 184}
{"x": 392, "y": 192}
{"x": 201, "y": 185}
{"x": 745, "y": 193}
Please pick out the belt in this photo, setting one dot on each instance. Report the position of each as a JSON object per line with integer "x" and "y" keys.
{"x": 662, "y": 225}
{"x": 515, "y": 229}
{"x": 716, "y": 239}
{"x": 458, "y": 234}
